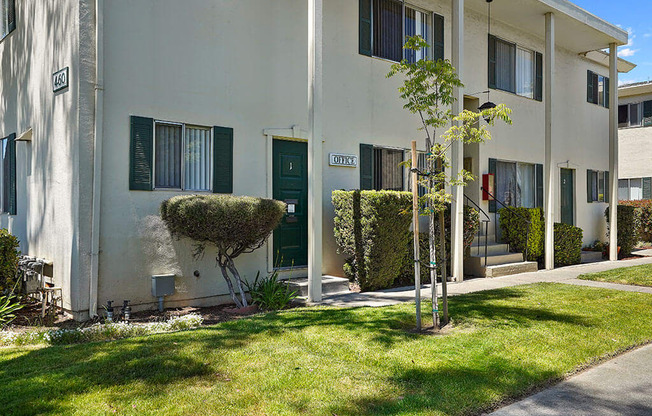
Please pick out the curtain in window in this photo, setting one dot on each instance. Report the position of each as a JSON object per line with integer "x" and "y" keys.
{"x": 601, "y": 90}
{"x": 417, "y": 23}
{"x": 525, "y": 186}
{"x": 634, "y": 115}
{"x": 505, "y": 64}
{"x": 168, "y": 156}
{"x": 623, "y": 189}
{"x": 197, "y": 159}
{"x": 594, "y": 185}
{"x": 525, "y": 73}
{"x": 388, "y": 29}
{"x": 388, "y": 175}
{"x": 506, "y": 183}
{"x": 601, "y": 184}
{"x": 635, "y": 189}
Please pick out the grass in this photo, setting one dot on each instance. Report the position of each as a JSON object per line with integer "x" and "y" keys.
{"x": 326, "y": 361}
{"x": 636, "y": 275}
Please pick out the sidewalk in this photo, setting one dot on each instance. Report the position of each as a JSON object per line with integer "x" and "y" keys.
{"x": 622, "y": 386}
{"x": 566, "y": 275}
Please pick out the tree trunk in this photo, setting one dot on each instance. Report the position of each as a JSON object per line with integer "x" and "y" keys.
{"x": 444, "y": 273}
{"x": 431, "y": 244}
{"x": 229, "y": 283}
{"x": 238, "y": 280}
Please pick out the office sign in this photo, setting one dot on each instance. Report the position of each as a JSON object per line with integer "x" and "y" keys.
{"x": 60, "y": 80}
{"x": 342, "y": 160}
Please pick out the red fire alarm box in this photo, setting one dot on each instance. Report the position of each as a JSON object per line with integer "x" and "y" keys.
{"x": 488, "y": 185}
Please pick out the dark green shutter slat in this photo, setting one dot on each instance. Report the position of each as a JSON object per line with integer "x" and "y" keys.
{"x": 589, "y": 185}
{"x": 607, "y": 187}
{"x": 439, "y": 37}
{"x": 596, "y": 89}
{"x": 647, "y": 113}
{"x": 606, "y": 92}
{"x": 492, "y": 170}
{"x": 11, "y": 15}
{"x": 141, "y": 154}
{"x": 9, "y": 205}
{"x": 647, "y": 188}
{"x": 366, "y": 167}
{"x": 538, "y": 91}
{"x": 365, "y": 27}
{"x": 539, "y": 179}
{"x": 222, "y": 160}
{"x": 589, "y": 86}
{"x": 492, "y": 62}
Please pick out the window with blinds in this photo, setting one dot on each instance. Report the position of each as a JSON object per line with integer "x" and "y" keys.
{"x": 388, "y": 172}
{"x": 515, "y": 69}
{"x": 183, "y": 157}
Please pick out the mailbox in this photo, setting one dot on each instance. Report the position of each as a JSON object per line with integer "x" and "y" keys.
{"x": 488, "y": 184}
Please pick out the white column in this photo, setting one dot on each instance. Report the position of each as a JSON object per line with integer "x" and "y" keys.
{"x": 315, "y": 8}
{"x": 613, "y": 152}
{"x": 457, "y": 151}
{"x": 549, "y": 172}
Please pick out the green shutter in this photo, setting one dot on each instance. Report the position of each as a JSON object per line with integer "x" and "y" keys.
{"x": 647, "y": 113}
{"x": 365, "y": 27}
{"x": 439, "y": 37}
{"x": 222, "y": 160}
{"x": 141, "y": 154}
{"x": 9, "y": 184}
{"x": 589, "y": 86}
{"x": 366, "y": 167}
{"x": 607, "y": 186}
{"x": 538, "y": 90}
{"x": 606, "y": 92}
{"x": 492, "y": 61}
{"x": 539, "y": 180}
{"x": 589, "y": 185}
{"x": 11, "y": 15}
{"x": 647, "y": 188}
{"x": 492, "y": 170}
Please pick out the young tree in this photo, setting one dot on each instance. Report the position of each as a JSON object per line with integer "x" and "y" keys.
{"x": 233, "y": 224}
{"x": 427, "y": 90}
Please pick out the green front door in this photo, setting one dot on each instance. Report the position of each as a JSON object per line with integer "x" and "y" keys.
{"x": 567, "y": 196}
{"x": 290, "y": 178}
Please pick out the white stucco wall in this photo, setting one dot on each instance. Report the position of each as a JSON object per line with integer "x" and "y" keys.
{"x": 51, "y": 192}
{"x": 635, "y": 146}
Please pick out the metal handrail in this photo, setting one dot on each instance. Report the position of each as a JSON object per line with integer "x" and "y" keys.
{"x": 511, "y": 209}
{"x": 486, "y": 227}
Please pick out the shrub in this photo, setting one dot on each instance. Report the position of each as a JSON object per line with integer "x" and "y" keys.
{"x": 514, "y": 228}
{"x": 568, "y": 245}
{"x": 269, "y": 293}
{"x": 471, "y": 225}
{"x": 9, "y": 304}
{"x": 8, "y": 260}
{"x": 372, "y": 228}
{"x": 628, "y": 226}
{"x": 233, "y": 224}
{"x": 644, "y": 212}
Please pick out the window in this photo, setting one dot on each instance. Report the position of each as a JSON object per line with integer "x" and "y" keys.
{"x": 182, "y": 157}
{"x": 8, "y": 175}
{"x": 388, "y": 172}
{"x": 635, "y": 114}
{"x": 7, "y": 17}
{"x": 597, "y": 186}
{"x": 597, "y": 89}
{"x": 634, "y": 189}
{"x": 385, "y": 25}
{"x": 516, "y": 184}
{"x": 515, "y": 69}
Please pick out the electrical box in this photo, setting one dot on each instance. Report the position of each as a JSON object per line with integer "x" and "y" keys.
{"x": 488, "y": 184}
{"x": 162, "y": 285}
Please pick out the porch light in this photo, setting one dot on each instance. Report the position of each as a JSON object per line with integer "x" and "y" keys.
{"x": 487, "y": 106}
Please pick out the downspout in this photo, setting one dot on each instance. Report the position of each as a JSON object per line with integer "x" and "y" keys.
{"x": 97, "y": 156}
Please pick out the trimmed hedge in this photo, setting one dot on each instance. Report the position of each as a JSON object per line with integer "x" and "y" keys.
{"x": 8, "y": 260}
{"x": 514, "y": 229}
{"x": 628, "y": 227}
{"x": 372, "y": 227}
{"x": 568, "y": 245}
{"x": 644, "y": 212}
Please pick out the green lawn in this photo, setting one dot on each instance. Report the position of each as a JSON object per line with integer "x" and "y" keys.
{"x": 636, "y": 275}
{"x": 325, "y": 361}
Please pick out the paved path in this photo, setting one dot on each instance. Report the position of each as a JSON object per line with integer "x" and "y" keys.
{"x": 622, "y": 386}
{"x": 567, "y": 275}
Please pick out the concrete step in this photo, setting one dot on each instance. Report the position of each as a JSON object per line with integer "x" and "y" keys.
{"x": 480, "y": 239}
{"x": 492, "y": 249}
{"x": 512, "y": 268}
{"x": 496, "y": 259}
{"x": 329, "y": 285}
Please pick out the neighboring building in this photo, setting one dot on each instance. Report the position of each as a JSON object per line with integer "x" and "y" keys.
{"x": 635, "y": 141}
{"x": 164, "y": 97}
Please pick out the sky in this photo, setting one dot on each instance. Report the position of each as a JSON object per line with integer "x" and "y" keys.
{"x": 633, "y": 16}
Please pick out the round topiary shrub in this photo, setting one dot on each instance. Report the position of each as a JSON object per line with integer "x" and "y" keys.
{"x": 233, "y": 224}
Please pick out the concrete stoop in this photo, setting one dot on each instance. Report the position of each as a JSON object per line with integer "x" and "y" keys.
{"x": 499, "y": 261}
{"x": 329, "y": 285}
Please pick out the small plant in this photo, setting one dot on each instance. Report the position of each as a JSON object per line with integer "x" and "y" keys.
{"x": 269, "y": 293}
{"x": 8, "y": 260}
{"x": 9, "y": 304}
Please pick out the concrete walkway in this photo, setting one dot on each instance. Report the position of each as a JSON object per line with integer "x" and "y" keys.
{"x": 567, "y": 275}
{"x": 622, "y": 386}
